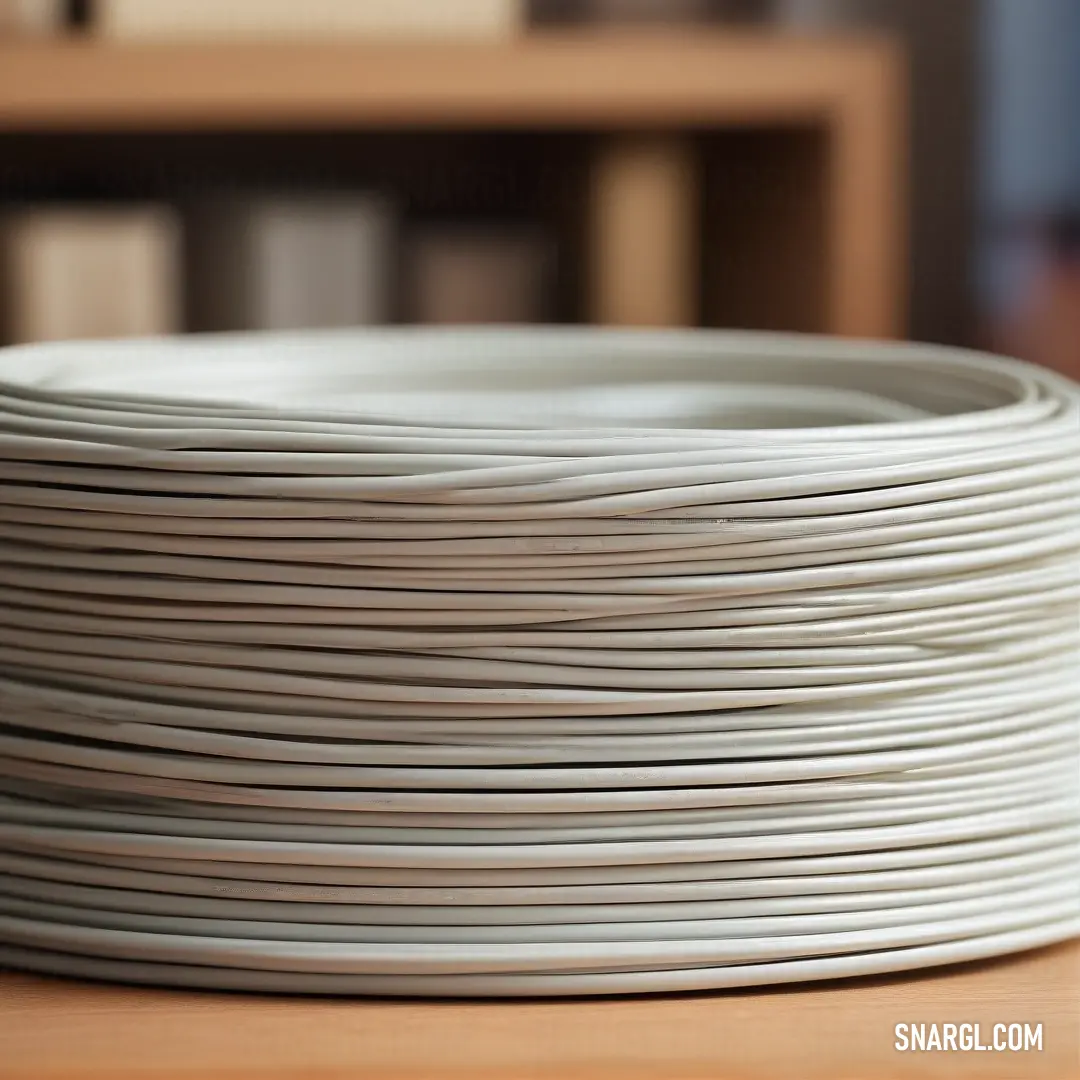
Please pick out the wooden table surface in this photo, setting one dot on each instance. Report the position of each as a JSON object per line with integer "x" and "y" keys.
{"x": 52, "y": 1029}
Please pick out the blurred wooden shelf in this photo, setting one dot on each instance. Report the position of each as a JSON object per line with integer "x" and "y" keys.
{"x": 827, "y": 226}
{"x": 586, "y": 79}
{"x": 58, "y": 1030}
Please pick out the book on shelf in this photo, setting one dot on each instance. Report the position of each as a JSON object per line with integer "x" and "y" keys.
{"x": 463, "y": 273}
{"x": 653, "y": 11}
{"x": 819, "y": 14}
{"x": 90, "y": 272}
{"x": 644, "y": 230}
{"x": 32, "y": 18}
{"x": 306, "y": 19}
{"x": 287, "y": 262}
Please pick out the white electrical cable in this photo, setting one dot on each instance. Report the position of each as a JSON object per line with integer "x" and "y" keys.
{"x": 534, "y": 662}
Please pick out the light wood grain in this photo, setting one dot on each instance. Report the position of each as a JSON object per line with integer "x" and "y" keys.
{"x": 58, "y": 1030}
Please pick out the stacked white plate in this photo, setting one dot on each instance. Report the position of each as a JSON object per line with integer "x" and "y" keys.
{"x": 534, "y": 662}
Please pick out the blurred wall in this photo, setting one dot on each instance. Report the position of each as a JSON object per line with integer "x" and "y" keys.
{"x": 1030, "y": 155}
{"x": 1030, "y": 170}
{"x": 1031, "y": 147}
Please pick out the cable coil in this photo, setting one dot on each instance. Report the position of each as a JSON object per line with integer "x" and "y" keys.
{"x": 534, "y": 662}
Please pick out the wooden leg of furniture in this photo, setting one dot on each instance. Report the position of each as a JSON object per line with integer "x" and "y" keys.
{"x": 867, "y": 200}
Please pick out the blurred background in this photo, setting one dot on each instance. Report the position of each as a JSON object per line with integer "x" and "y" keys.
{"x": 879, "y": 168}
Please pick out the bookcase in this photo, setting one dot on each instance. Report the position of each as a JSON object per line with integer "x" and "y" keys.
{"x": 693, "y": 177}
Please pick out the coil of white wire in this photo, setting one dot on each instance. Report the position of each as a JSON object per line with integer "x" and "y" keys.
{"x": 534, "y": 662}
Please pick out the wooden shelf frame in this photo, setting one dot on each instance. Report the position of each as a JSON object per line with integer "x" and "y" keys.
{"x": 602, "y": 81}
